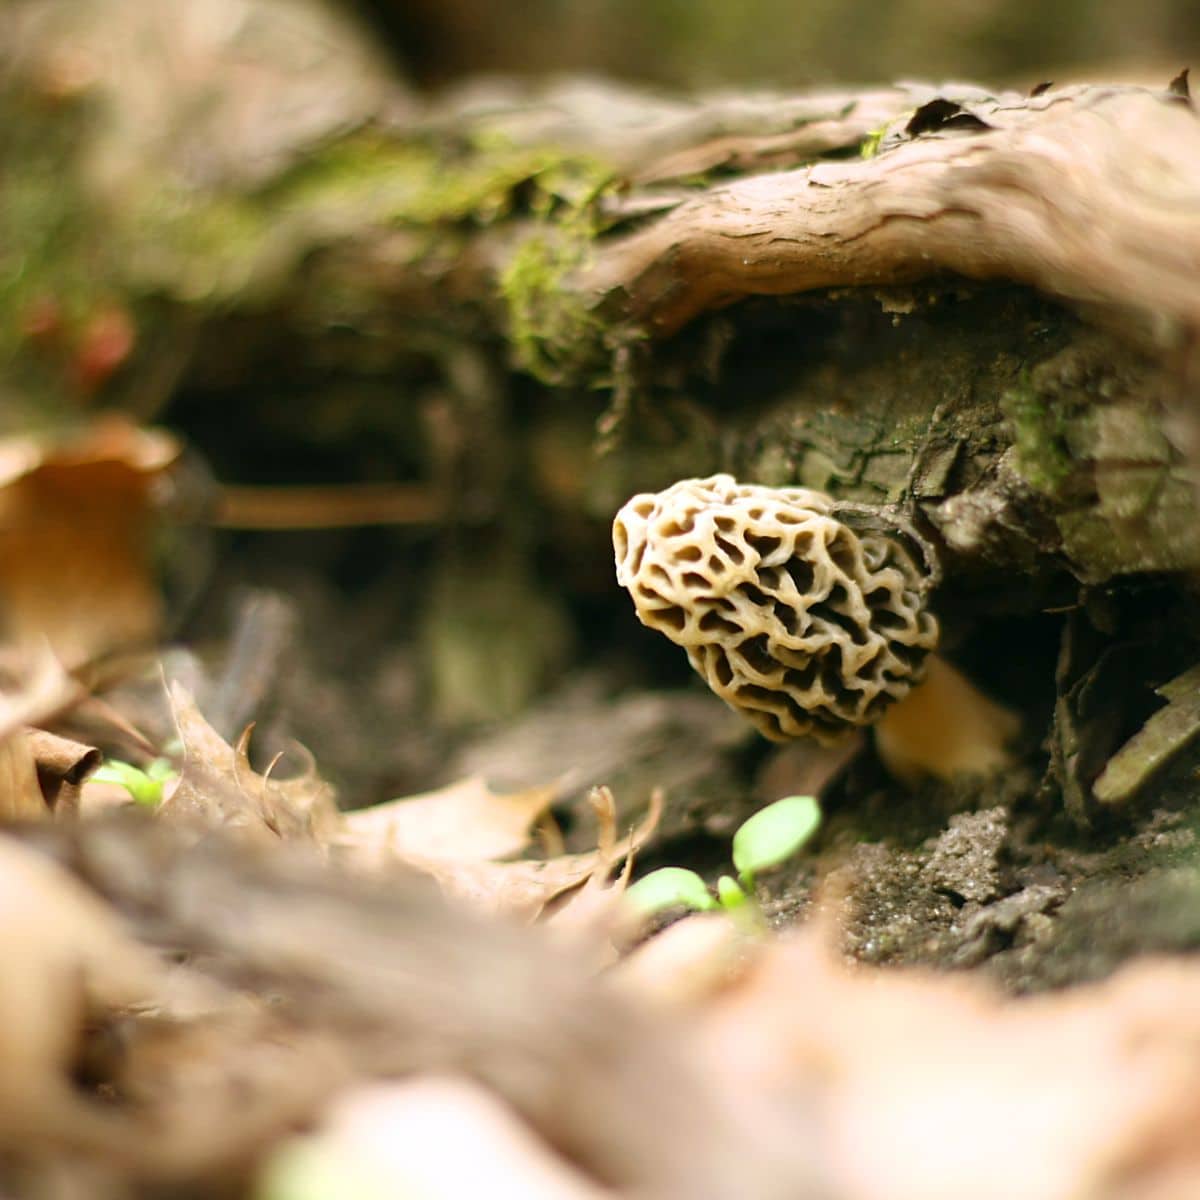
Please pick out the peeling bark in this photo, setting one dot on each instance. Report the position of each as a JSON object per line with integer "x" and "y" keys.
{"x": 1088, "y": 194}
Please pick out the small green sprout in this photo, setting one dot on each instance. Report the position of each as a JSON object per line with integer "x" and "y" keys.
{"x": 730, "y": 893}
{"x": 869, "y": 146}
{"x": 669, "y": 887}
{"x": 768, "y": 838}
{"x": 146, "y": 787}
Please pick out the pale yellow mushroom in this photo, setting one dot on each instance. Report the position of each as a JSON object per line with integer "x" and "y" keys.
{"x": 805, "y": 626}
{"x": 945, "y": 727}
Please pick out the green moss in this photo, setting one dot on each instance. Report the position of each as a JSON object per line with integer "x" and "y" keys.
{"x": 1039, "y": 433}
{"x": 221, "y": 248}
{"x": 555, "y": 335}
{"x": 419, "y": 182}
{"x": 552, "y": 331}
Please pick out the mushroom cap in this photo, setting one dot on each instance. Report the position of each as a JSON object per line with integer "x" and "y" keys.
{"x": 801, "y": 624}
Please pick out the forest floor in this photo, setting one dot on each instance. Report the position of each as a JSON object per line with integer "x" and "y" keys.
{"x": 954, "y": 989}
{"x": 317, "y": 834}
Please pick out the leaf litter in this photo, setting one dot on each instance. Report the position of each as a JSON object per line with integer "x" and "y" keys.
{"x": 458, "y": 835}
{"x": 218, "y": 787}
{"x": 464, "y": 822}
{"x": 262, "y": 926}
{"x": 198, "y": 981}
{"x": 76, "y": 516}
{"x": 267, "y": 943}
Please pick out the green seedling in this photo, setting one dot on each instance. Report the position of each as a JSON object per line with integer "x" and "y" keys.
{"x": 768, "y": 838}
{"x": 146, "y": 787}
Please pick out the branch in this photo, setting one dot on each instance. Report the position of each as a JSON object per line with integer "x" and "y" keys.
{"x": 1089, "y": 194}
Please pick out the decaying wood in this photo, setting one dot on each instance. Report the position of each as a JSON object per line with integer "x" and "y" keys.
{"x": 651, "y": 139}
{"x": 1055, "y": 442}
{"x": 1091, "y": 194}
{"x": 1088, "y": 193}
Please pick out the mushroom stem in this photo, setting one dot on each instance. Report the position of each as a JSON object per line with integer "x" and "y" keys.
{"x": 944, "y": 727}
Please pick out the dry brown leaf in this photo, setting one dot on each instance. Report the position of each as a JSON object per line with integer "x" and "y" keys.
{"x": 465, "y": 822}
{"x": 75, "y": 526}
{"x": 408, "y": 1139}
{"x": 20, "y": 796}
{"x": 592, "y": 911}
{"x": 62, "y": 766}
{"x": 454, "y": 834}
{"x": 217, "y": 785}
{"x": 33, "y": 686}
{"x": 936, "y": 1088}
{"x": 521, "y": 889}
{"x": 524, "y": 889}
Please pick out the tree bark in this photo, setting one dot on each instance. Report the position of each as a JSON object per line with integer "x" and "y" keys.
{"x": 1087, "y": 194}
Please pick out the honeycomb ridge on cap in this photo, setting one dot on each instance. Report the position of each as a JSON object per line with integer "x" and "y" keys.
{"x": 801, "y": 624}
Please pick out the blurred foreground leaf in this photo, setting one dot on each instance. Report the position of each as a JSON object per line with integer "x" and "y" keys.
{"x": 76, "y": 524}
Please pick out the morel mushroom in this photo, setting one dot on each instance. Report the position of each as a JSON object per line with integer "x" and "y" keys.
{"x": 794, "y": 619}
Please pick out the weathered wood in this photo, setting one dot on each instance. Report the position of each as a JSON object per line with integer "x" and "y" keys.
{"x": 1090, "y": 194}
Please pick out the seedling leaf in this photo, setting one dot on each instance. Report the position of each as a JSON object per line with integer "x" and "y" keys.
{"x": 774, "y": 834}
{"x": 668, "y": 887}
{"x": 146, "y": 787}
{"x": 730, "y": 893}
